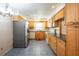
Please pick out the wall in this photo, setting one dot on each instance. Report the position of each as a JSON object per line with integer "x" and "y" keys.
{"x": 6, "y": 34}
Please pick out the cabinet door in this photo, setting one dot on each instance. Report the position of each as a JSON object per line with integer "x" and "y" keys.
{"x": 70, "y": 12}
{"x": 49, "y": 38}
{"x": 77, "y": 38}
{"x": 77, "y": 12}
{"x": 40, "y": 35}
{"x": 60, "y": 48}
{"x": 71, "y": 41}
{"x": 56, "y": 17}
{"x": 37, "y": 36}
{"x": 53, "y": 43}
{"x": 31, "y": 24}
{"x": 61, "y": 14}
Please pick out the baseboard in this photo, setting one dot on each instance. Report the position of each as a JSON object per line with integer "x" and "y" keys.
{"x": 6, "y": 51}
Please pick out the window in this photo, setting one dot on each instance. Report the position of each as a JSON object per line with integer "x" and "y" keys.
{"x": 39, "y": 26}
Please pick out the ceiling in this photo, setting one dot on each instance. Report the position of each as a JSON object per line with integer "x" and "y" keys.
{"x": 35, "y": 10}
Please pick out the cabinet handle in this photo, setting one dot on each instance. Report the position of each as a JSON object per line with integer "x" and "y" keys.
{"x": 74, "y": 24}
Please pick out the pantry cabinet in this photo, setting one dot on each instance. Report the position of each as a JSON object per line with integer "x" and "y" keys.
{"x": 72, "y": 27}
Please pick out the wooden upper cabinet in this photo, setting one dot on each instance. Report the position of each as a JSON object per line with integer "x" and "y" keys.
{"x": 46, "y": 24}
{"x": 59, "y": 15}
{"x": 31, "y": 24}
{"x": 70, "y": 12}
{"x": 55, "y": 17}
{"x": 17, "y": 18}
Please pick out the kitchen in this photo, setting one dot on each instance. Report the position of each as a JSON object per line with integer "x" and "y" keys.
{"x": 56, "y": 25}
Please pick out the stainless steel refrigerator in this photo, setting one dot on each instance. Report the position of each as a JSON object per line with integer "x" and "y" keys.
{"x": 20, "y": 39}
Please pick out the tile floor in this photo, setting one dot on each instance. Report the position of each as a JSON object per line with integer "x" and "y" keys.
{"x": 35, "y": 48}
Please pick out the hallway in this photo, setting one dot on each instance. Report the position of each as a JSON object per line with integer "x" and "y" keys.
{"x": 35, "y": 48}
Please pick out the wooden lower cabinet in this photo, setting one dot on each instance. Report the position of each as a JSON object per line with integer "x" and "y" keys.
{"x": 49, "y": 39}
{"x": 71, "y": 41}
{"x": 52, "y": 42}
{"x": 57, "y": 45}
{"x": 39, "y": 35}
{"x": 60, "y": 48}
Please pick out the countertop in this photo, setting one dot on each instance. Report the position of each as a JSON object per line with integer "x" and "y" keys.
{"x": 44, "y": 30}
{"x": 62, "y": 37}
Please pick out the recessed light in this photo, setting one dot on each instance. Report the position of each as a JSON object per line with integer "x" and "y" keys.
{"x": 53, "y": 6}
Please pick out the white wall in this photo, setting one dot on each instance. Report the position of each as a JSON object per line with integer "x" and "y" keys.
{"x": 6, "y": 34}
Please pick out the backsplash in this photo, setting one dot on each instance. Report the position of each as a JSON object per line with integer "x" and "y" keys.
{"x": 51, "y": 30}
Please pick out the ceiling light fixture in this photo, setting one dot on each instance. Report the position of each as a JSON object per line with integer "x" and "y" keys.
{"x": 53, "y": 6}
